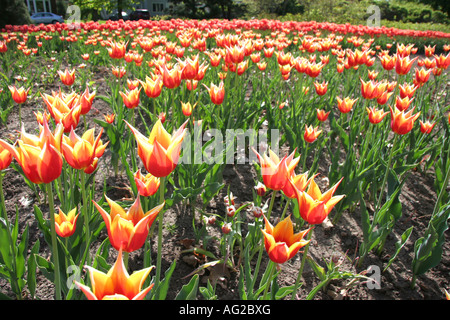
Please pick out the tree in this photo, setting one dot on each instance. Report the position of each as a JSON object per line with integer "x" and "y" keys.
{"x": 14, "y": 12}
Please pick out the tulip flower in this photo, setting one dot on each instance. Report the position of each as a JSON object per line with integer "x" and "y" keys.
{"x": 190, "y": 68}
{"x": 67, "y": 77}
{"x": 321, "y": 88}
{"x": 260, "y": 189}
{"x": 5, "y": 158}
{"x": 118, "y": 72}
{"x": 64, "y": 109}
{"x": 86, "y": 100}
{"x": 187, "y": 108}
{"x": 404, "y": 64}
{"x": 117, "y": 50}
{"x": 146, "y": 185}
{"x": 275, "y": 172}
{"x": 152, "y": 86}
{"x": 19, "y": 95}
{"x": 171, "y": 78}
{"x": 128, "y": 230}
{"x": 39, "y": 156}
{"x": 131, "y": 98}
{"x": 401, "y": 122}
{"x": 311, "y": 133}
{"x": 407, "y": 90}
{"x": 109, "y": 118}
{"x": 300, "y": 181}
{"x": 427, "y": 126}
{"x": 81, "y": 152}
{"x": 315, "y": 206}
{"x": 280, "y": 241}
{"x": 159, "y": 152}
{"x": 376, "y": 115}
{"x": 216, "y": 93}
{"x": 369, "y": 89}
{"x": 117, "y": 284}
{"x": 345, "y": 105}
{"x": 403, "y": 104}
{"x": 65, "y": 224}
{"x": 322, "y": 115}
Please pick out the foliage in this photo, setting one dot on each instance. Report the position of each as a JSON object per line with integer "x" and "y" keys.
{"x": 14, "y": 12}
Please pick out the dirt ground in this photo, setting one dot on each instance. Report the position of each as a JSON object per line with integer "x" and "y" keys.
{"x": 339, "y": 242}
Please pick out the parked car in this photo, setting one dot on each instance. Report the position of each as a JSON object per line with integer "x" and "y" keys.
{"x": 46, "y": 17}
{"x": 138, "y": 14}
{"x": 115, "y": 16}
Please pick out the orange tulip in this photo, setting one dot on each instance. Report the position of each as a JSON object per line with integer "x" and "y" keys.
{"x": 280, "y": 241}
{"x": 152, "y": 86}
{"x": 314, "y": 206}
{"x": 5, "y": 158}
{"x": 64, "y": 109}
{"x": 67, "y": 77}
{"x": 216, "y": 93}
{"x": 187, "y": 108}
{"x": 65, "y": 224}
{"x": 407, "y": 90}
{"x": 39, "y": 156}
{"x": 86, "y": 100}
{"x": 147, "y": 185}
{"x": 427, "y": 126}
{"x": 311, "y": 133}
{"x": 117, "y": 284}
{"x": 109, "y": 118}
{"x": 275, "y": 172}
{"x": 345, "y": 105}
{"x": 161, "y": 151}
{"x": 401, "y": 122}
{"x": 19, "y": 95}
{"x": 321, "y": 88}
{"x": 369, "y": 89}
{"x": 404, "y": 64}
{"x": 82, "y": 152}
{"x": 422, "y": 75}
{"x": 190, "y": 68}
{"x": 376, "y": 115}
{"x": 128, "y": 230}
{"x": 118, "y": 72}
{"x": 171, "y": 78}
{"x": 300, "y": 181}
{"x": 131, "y": 98}
{"x": 388, "y": 62}
{"x": 117, "y": 50}
{"x": 403, "y": 104}
{"x": 322, "y": 115}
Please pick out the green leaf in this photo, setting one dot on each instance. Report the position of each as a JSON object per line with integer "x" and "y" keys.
{"x": 399, "y": 245}
{"x": 31, "y": 273}
{"x": 164, "y": 284}
{"x": 189, "y": 291}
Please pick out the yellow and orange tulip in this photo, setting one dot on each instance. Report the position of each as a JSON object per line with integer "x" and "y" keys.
{"x": 275, "y": 172}
{"x": 65, "y": 224}
{"x": 39, "y": 156}
{"x": 159, "y": 152}
{"x": 314, "y": 206}
{"x": 146, "y": 185}
{"x": 280, "y": 242}
{"x": 117, "y": 284}
{"x": 128, "y": 230}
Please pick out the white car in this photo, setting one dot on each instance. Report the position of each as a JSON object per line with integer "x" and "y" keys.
{"x": 46, "y": 17}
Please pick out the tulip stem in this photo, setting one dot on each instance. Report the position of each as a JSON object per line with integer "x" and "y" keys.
{"x": 85, "y": 211}
{"x": 272, "y": 200}
{"x": 269, "y": 279}
{"x": 57, "y": 275}
{"x": 302, "y": 266}
{"x": 386, "y": 172}
{"x": 160, "y": 226}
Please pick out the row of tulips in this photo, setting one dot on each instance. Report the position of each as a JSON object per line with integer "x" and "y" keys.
{"x": 248, "y": 77}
